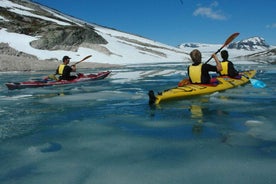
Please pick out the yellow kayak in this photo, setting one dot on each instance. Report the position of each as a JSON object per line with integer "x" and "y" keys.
{"x": 188, "y": 90}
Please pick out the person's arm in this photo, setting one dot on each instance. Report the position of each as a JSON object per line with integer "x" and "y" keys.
{"x": 74, "y": 68}
{"x": 232, "y": 70}
{"x": 218, "y": 65}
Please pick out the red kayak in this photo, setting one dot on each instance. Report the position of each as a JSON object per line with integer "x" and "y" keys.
{"x": 50, "y": 82}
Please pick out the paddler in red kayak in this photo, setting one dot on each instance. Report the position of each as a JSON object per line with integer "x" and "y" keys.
{"x": 65, "y": 71}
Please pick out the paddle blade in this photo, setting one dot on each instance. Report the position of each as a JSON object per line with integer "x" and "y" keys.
{"x": 52, "y": 77}
{"x": 230, "y": 38}
{"x": 183, "y": 82}
{"x": 83, "y": 59}
{"x": 86, "y": 57}
{"x": 257, "y": 84}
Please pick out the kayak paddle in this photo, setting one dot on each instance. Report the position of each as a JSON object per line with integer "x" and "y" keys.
{"x": 229, "y": 40}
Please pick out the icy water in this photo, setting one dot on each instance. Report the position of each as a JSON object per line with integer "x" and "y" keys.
{"x": 105, "y": 132}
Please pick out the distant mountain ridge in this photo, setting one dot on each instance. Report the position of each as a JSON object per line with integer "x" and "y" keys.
{"x": 251, "y": 44}
{"x": 253, "y": 49}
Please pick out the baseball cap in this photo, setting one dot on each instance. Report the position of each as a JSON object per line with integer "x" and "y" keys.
{"x": 66, "y": 57}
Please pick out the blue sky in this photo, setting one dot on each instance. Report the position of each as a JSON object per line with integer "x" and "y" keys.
{"x": 178, "y": 21}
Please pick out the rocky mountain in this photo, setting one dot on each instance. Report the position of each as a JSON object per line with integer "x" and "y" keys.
{"x": 42, "y": 32}
{"x": 251, "y": 44}
{"x": 254, "y": 44}
{"x": 253, "y": 49}
{"x": 261, "y": 51}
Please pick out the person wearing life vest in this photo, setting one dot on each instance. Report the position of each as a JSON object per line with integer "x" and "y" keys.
{"x": 227, "y": 66}
{"x": 199, "y": 72}
{"x": 65, "y": 71}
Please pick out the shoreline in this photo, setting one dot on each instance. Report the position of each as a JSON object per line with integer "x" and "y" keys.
{"x": 10, "y": 63}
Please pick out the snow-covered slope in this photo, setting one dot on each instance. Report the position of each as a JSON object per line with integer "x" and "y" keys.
{"x": 25, "y": 27}
{"x": 251, "y": 44}
{"x": 121, "y": 48}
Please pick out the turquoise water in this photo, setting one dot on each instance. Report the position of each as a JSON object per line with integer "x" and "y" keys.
{"x": 105, "y": 132}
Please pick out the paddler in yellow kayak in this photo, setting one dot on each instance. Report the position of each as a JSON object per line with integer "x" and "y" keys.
{"x": 198, "y": 72}
{"x": 228, "y": 68}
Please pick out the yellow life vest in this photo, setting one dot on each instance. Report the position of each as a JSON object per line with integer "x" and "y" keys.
{"x": 195, "y": 73}
{"x": 224, "y": 70}
{"x": 61, "y": 68}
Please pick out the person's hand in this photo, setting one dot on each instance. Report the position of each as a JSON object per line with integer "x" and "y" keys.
{"x": 73, "y": 68}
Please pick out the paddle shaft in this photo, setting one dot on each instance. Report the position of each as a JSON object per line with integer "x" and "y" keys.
{"x": 229, "y": 40}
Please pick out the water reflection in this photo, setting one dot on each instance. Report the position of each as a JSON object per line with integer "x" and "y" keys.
{"x": 197, "y": 115}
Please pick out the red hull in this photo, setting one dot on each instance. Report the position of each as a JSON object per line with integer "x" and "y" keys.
{"x": 43, "y": 83}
